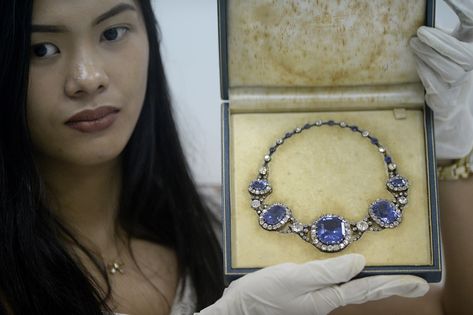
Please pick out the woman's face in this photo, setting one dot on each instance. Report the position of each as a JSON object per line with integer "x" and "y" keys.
{"x": 87, "y": 80}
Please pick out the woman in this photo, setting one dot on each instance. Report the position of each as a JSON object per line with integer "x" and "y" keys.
{"x": 94, "y": 183}
{"x": 66, "y": 175}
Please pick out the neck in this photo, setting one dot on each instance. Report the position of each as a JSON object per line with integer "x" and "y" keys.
{"x": 85, "y": 198}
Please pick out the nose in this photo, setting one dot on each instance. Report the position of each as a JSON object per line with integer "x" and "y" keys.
{"x": 86, "y": 76}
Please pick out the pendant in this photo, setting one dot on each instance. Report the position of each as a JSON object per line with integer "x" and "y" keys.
{"x": 115, "y": 267}
{"x": 330, "y": 233}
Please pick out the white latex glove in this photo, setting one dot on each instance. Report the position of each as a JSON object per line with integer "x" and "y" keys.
{"x": 444, "y": 64}
{"x": 313, "y": 288}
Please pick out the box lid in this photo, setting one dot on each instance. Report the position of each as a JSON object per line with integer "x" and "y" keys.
{"x": 298, "y": 44}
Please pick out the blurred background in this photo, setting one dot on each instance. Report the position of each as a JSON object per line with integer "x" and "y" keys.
{"x": 190, "y": 52}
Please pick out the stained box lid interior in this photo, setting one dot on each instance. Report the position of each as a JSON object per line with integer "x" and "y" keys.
{"x": 294, "y": 47}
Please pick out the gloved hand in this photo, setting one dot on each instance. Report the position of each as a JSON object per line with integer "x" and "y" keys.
{"x": 444, "y": 64}
{"x": 313, "y": 288}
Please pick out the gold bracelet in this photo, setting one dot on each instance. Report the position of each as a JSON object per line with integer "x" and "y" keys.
{"x": 460, "y": 168}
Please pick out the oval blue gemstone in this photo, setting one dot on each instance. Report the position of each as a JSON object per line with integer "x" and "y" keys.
{"x": 330, "y": 230}
{"x": 398, "y": 182}
{"x": 274, "y": 215}
{"x": 259, "y": 184}
{"x": 385, "y": 211}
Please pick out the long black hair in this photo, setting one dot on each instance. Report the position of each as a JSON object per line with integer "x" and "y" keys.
{"x": 159, "y": 201}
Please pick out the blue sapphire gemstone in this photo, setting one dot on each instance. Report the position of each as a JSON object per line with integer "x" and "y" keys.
{"x": 259, "y": 184}
{"x": 275, "y": 214}
{"x": 385, "y": 211}
{"x": 331, "y": 123}
{"x": 397, "y": 183}
{"x": 388, "y": 159}
{"x": 330, "y": 230}
{"x": 354, "y": 128}
{"x": 374, "y": 140}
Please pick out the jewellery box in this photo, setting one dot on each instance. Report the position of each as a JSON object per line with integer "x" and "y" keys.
{"x": 332, "y": 87}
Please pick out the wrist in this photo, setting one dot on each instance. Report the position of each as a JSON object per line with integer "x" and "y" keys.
{"x": 455, "y": 169}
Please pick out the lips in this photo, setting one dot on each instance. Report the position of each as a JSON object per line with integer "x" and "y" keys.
{"x": 93, "y": 120}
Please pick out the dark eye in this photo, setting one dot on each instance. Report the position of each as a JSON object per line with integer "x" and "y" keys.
{"x": 44, "y": 50}
{"x": 115, "y": 33}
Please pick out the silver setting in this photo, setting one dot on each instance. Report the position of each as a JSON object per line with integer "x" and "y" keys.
{"x": 392, "y": 166}
{"x": 402, "y": 200}
{"x": 402, "y": 188}
{"x": 380, "y": 222}
{"x": 273, "y": 227}
{"x": 318, "y": 123}
{"x": 279, "y": 141}
{"x": 267, "y": 158}
{"x": 297, "y": 130}
{"x": 255, "y": 203}
{"x": 365, "y": 133}
{"x": 381, "y": 149}
{"x": 362, "y": 226}
{"x": 267, "y": 190}
{"x": 263, "y": 171}
{"x": 331, "y": 247}
{"x": 297, "y": 227}
{"x": 343, "y": 124}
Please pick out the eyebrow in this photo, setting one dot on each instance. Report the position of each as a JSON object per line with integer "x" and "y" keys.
{"x": 114, "y": 11}
{"x": 61, "y": 29}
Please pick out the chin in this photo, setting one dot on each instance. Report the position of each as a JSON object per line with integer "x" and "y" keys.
{"x": 91, "y": 156}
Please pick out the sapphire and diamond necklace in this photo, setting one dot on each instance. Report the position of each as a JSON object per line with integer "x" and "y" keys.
{"x": 330, "y": 232}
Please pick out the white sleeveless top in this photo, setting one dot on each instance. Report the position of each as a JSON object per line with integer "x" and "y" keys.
{"x": 186, "y": 305}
